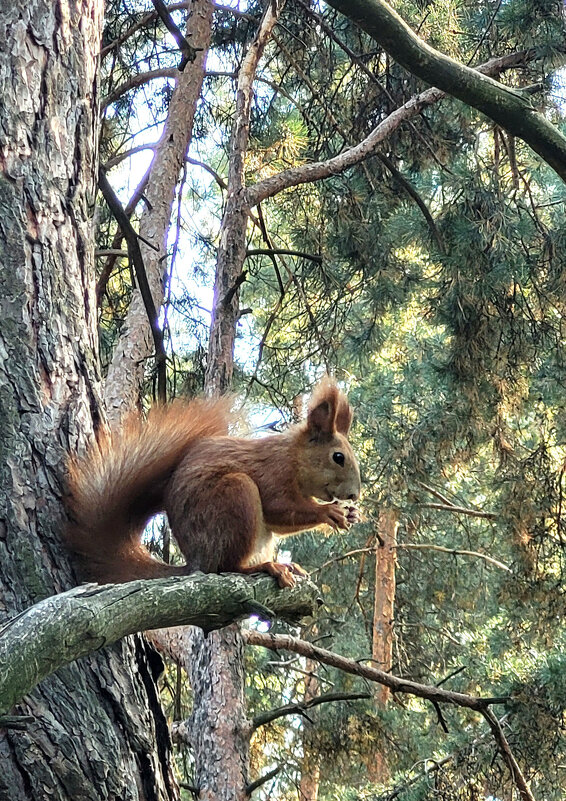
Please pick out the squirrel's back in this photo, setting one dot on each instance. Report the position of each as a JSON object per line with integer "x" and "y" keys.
{"x": 119, "y": 484}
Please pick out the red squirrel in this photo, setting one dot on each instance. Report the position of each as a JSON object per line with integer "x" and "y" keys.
{"x": 226, "y": 497}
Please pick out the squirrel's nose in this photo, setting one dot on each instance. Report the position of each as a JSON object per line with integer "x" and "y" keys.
{"x": 353, "y": 497}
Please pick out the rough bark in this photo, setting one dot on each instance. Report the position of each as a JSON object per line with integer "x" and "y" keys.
{"x": 135, "y": 347}
{"x": 94, "y": 727}
{"x": 382, "y": 630}
{"x": 232, "y": 246}
{"x": 510, "y": 108}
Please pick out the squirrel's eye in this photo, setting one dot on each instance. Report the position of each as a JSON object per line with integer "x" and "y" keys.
{"x": 338, "y": 458}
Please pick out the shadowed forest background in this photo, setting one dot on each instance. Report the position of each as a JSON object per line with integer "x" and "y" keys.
{"x": 416, "y": 251}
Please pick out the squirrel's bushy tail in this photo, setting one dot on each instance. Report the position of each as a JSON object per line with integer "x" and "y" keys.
{"x": 119, "y": 484}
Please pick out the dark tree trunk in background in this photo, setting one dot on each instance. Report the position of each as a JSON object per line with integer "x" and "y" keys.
{"x": 94, "y": 724}
{"x": 220, "y": 729}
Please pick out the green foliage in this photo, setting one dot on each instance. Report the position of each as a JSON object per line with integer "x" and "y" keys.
{"x": 448, "y": 331}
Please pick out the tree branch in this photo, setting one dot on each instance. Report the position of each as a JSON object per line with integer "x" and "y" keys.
{"x": 315, "y": 171}
{"x": 218, "y": 178}
{"x": 447, "y": 505}
{"x": 460, "y": 510}
{"x": 232, "y": 240}
{"x": 417, "y": 546}
{"x": 284, "y": 252}
{"x": 454, "y": 551}
{"x": 113, "y": 161}
{"x": 436, "y": 493}
{"x": 145, "y": 19}
{"x": 277, "y": 642}
{"x": 412, "y": 192}
{"x": 136, "y": 259}
{"x": 263, "y": 779}
{"x": 509, "y": 107}
{"x": 435, "y": 695}
{"x": 129, "y": 209}
{"x": 137, "y": 80}
{"x": 299, "y": 707}
{"x": 188, "y": 53}
{"x": 62, "y": 628}
{"x": 516, "y": 773}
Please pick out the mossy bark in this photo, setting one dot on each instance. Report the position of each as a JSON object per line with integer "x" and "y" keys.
{"x": 65, "y": 627}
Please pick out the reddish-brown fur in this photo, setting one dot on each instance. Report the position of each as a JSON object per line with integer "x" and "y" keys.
{"x": 224, "y": 496}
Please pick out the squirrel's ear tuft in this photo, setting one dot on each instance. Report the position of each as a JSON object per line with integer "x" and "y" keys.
{"x": 329, "y": 410}
{"x": 344, "y": 415}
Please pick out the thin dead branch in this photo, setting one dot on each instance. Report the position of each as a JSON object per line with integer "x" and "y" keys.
{"x": 135, "y": 254}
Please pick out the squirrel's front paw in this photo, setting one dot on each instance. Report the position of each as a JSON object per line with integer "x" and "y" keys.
{"x": 334, "y": 514}
{"x": 353, "y": 515}
{"x": 341, "y": 514}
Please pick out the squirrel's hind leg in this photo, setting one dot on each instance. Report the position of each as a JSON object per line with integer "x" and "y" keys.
{"x": 225, "y": 531}
{"x": 220, "y": 527}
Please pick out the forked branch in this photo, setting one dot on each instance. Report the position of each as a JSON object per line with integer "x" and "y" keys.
{"x": 430, "y": 693}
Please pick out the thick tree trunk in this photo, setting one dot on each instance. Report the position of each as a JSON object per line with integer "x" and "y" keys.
{"x": 127, "y": 369}
{"x": 93, "y": 727}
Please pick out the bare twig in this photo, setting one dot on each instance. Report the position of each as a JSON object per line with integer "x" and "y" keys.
{"x": 136, "y": 259}
{"x": 137, "y": 80}
{"x": 412, "y": 192}
{"x": 218, "y": 178}
{"x": 505, "y": 750}
{"x": 263, "y": 779}
{"x": 460, "y": 510}
{"x": 418, "y": 547}
{"x": 110, "y": 252}
{"x": 436, "y": 493}
{"x": 299, "y": 707}
{"x": 283, "y": 251}
{"x": 106, "y": 271}
{"x": 446, "y": 505}
{"x": 113, "y": 161}
{"x": 277, "y": 642}
{"x": 188, "y": 52}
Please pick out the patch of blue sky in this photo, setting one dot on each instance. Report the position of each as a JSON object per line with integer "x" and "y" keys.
{"x": 193, "y": 238}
